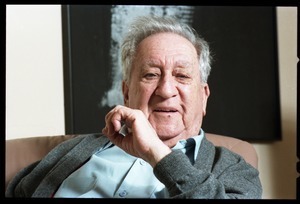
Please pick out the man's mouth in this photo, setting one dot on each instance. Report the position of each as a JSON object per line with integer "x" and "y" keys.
{"x": 165, "y": 110}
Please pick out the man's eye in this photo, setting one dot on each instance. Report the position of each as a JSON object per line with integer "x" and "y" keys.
{"x": 150, "y": 75}
{"x": 182, "y": 76}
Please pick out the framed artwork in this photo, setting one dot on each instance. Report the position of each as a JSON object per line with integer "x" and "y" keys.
{"x": 244, "y": 100}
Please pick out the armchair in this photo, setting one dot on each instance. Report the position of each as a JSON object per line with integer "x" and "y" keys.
{"x": 23, "y": 151}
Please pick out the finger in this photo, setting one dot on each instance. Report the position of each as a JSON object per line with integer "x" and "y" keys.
{"x": 114, "y": 120}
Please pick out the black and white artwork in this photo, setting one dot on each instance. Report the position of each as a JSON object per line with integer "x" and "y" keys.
{"x": 244, "y": 100}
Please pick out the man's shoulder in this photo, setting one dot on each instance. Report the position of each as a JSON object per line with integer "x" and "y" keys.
{"x": 89, "y": 137}
{"x": 84, "y": 139}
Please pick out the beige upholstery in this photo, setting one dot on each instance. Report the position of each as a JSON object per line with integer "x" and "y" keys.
{"x": 24, "y": 151}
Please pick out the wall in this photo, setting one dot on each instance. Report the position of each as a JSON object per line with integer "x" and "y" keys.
{"x": 34, "y": 88}
{"x": 34, "y": 76}
{"x": 277, "y": 161}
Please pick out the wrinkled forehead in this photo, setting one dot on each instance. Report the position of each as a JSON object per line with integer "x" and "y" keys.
{"x": 180, "y": 62}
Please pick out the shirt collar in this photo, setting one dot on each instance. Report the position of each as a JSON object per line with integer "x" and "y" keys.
{"x": 181, "y": 144}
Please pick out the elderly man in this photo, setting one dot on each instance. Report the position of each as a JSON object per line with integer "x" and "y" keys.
{"x": 153, "y": 146}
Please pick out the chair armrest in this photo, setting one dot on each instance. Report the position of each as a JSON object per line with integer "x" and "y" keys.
{"x": 21, "y": 152}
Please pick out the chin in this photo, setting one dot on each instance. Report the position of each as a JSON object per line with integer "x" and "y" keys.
{"x": 171, "y": 141}
{"x": 168, "y": 133}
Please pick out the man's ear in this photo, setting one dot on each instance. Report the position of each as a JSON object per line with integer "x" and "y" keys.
{"x": 206, "y": 93}
{"x": 125, "y": 90}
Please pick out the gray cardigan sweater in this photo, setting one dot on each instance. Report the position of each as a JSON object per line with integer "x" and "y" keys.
{"x": 217, "y": 173}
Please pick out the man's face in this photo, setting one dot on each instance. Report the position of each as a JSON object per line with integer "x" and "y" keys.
{"x": 165, "y": 84}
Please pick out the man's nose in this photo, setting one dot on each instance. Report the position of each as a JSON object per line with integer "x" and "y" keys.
{"x": 166, "y": 87}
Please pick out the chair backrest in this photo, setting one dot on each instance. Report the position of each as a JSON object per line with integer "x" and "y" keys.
{"x": 19, "y": 153}
{"x": 241, "y": 147}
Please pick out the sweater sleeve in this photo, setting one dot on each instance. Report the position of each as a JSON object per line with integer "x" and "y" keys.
{"x": 217, "y": 174}
{"x": 42, "y": 178}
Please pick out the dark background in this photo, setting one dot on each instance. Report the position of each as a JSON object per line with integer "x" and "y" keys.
{"x": 244, "y": 100}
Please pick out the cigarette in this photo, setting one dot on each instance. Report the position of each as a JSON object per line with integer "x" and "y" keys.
{"x": 124, "y": 130}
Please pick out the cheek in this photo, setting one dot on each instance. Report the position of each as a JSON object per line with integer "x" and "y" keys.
{"x": 192, "y": 98}
{"x": 139, "y": 96}
{"x": 191, "y": 93}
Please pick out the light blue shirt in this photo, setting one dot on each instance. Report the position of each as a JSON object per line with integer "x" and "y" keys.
{"x": 115, "y": 174}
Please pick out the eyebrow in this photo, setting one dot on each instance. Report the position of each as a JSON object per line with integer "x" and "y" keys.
{"x": 183, "y": 63}
{"x": 153, "y": 62}
{"x": 178, "y": 63}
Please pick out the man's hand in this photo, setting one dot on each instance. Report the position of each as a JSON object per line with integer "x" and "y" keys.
{"x": 141, "y": 139}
